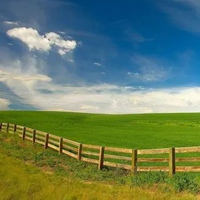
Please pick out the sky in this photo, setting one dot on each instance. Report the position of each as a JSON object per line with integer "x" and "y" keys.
{"x": 108, "y": 56}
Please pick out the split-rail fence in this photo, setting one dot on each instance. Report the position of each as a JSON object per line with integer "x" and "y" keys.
{"x": 137, "y": 160}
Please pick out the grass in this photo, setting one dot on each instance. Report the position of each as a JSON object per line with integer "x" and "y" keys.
{"x": 29, "y": 172}
{"x": 130, "y": 131}
{"x": 141, "y": 131}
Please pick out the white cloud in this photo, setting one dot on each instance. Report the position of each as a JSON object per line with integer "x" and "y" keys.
{"x": 35, "y": 41}
{"x": 98, "y": 64}
{"x": 148, "y": 69}
{"x": 61, "y": 52}
{"x": 89, "y": 108}
{"x": 20, "y": 77}
{"x": 62, "y": 32}
{"x": 31, "y": 38}
{"x": 65, "y": 45}
{"x": 10, "y": 23}
{"x": 40, "y": 91}
{"x": 28, "y": 78}
{"x": 125, "y": 101}
{"x": 4, "y": 103}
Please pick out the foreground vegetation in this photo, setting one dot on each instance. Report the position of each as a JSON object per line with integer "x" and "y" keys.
{"x": 29, "y": 172}
{"x": 130, "y": 131}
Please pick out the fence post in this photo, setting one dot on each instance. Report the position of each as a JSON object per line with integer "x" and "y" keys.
{"x": 15, "y": 128}
{"x": 172, "y": 164}
{"x": 46, "y": 141}
{"x": 134, "y": 161}
{"x": 60, "y": 145}
{"x": 79, "y": 152}
{"x": 34, "y": 133}
{"x": 101, "y": 158}
{"x": 23, "y": 133}
{"x": 7, "y": 128}
{"x": 0, "y": 126}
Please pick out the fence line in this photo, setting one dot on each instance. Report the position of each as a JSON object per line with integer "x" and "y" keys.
{"x": 166, "y": 159}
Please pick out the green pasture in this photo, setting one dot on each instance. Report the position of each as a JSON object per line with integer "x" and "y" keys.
{"x": 28, "y": 172}
{"x": 141, "y": 131}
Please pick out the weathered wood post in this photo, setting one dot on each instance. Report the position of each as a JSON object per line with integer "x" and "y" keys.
{"x": 134, "y": 161}
{"x": 172, "y": 163}
{"x": 60, "y": 145}
{"x": 79, "y": 152}
{"x": 7, "y": 127}
{"x": 101, "y": 157}
{"x": 23, "y": 133}
{"x": 15, "y": 128}
{"x": 0, "y": 126}
{"x": 34, "y": 134}
{"x": 46, "y": 141}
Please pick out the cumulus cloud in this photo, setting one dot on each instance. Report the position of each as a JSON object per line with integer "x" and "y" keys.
{"x": 44, "y": 43}
{"x": 31, "y": 38}
{"x": 64, "y": 45}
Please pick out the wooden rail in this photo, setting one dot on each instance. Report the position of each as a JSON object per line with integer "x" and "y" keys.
{"x": 172, "y": 160}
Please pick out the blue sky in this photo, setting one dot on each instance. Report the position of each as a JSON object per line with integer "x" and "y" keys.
{"x": 139, "y": 56}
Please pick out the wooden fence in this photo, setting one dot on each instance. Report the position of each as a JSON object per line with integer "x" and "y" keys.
{"x": 180, "y": 159}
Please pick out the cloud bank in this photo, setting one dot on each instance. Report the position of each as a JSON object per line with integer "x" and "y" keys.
{"x": 38, "y": 90}
{"x": 34, "y": 87}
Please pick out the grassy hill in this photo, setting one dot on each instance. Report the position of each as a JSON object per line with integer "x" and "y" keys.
{"x": 29, "y": 172}
{"x": 130, "y": 131}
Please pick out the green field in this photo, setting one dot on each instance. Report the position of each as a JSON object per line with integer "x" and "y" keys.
{"x": 28, "y": 172}
{"x": 139, "y": 131}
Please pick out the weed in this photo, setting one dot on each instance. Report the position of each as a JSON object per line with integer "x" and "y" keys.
{"x": 182, "y": 182}
{"x": 149, "y": 178}
{"x": 179, "y": 182}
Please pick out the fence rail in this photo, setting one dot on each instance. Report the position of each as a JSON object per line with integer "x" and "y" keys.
{"x": 172, "y": 160}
